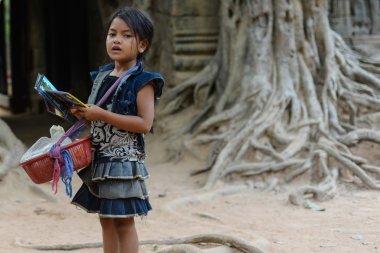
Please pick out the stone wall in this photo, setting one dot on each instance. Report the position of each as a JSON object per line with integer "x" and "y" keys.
{"x": 186, "y": 37}
{"x": 358, "y": 21}
{"x": 355, "y": 17}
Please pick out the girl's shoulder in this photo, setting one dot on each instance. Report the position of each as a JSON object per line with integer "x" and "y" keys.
{"x": 138, "y": 80}
{"x": 145, "y": 77}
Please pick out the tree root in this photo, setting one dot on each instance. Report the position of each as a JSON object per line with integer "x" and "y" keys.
{"x": 298, "y": 197}
{"x": 184, "y": 90}
{"x": 353, "y": 167}
{"x": 320, "y": 192}
{"x": 230, "y": 241}
{"x": 176, "y": 103}
{"x": 371, "y": 168}
{"x": 226, "y": 156}
{"x": 213, "y": 154}
{"x": 301, "y": 92}
{"x": 63, "y": 247}
{"x": 297, "y": 172}
{"x": 358, "y": 135}
{"x": 219, "y": 118}
{"x": 181, "y": 248}
{"x": 250, "y": 169}
{"x": 268, "y": 150}
{"x": 190, "y": 127}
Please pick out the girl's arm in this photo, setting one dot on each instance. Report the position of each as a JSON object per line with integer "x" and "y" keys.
{"x": 142, "y": 123}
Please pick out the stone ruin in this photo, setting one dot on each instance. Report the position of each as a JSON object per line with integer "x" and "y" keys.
{"x": 186, "y": 37}
{"x": 188, "y": 32}
{"x": 358, "y": 21}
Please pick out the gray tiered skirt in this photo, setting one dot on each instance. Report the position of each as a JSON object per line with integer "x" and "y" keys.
{"x": 114, "y": 189}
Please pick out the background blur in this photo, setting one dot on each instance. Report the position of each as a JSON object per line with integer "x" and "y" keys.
{"x": 65, "y": 41}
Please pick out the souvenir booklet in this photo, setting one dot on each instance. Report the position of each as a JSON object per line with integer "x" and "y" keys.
{"x": 66, "y": 98}
{"x": 57, "y": 102}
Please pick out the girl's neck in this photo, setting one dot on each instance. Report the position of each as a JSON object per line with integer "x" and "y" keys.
{"x": 121, "y": 68}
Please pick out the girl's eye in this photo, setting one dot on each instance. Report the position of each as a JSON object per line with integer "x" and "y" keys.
{"x": 127, "y": 35}
{"x": 111, "y": 34}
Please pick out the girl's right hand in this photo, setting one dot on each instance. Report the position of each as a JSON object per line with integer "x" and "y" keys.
{"x": 74, "y": 111}
{"x": 90, "y": 113}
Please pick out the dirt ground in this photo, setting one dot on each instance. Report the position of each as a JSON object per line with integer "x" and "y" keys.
{"x": 33, "y": 214}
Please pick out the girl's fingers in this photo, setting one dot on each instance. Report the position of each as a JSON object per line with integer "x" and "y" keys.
{"x": 81, "y": 109}
{"x": 73, "y": 110}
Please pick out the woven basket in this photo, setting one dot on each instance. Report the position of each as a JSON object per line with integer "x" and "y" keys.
{"x": 40, "y": 168}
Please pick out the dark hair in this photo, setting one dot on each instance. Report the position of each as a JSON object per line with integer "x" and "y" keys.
{"x": 138, "y": 21}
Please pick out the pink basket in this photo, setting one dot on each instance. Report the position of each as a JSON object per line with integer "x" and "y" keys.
{"x": 40, "y": 168}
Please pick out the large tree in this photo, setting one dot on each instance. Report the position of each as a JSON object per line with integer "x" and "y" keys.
{"x": 284, "y": 93}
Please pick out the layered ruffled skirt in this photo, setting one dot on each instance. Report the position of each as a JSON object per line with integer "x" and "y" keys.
{"x": 114, "y": 189}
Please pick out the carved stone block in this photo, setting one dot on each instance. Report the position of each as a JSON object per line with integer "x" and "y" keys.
{"x": 188, "y": 36}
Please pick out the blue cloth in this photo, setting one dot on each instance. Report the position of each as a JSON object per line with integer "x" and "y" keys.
{"x": 67, "y": 172}
{"x": 124, "y": 98}
{"x": 112, "y": 208}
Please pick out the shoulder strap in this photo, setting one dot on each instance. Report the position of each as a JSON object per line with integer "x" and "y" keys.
{"x": 114, "y": 86}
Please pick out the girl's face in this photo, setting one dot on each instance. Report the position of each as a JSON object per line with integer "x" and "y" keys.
{"x": 123, "y": 46}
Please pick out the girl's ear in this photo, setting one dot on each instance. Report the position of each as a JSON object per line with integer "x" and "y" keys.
{"x": 143, "y": 45}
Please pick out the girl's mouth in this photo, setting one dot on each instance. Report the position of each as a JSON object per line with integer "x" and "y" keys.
{"x": 116, "y": 48}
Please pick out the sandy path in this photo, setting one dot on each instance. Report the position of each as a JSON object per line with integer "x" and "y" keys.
{"x": 349, "y": 224}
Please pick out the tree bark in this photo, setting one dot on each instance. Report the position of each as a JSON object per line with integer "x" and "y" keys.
{"x": 11, "y": 149}
{"x": 285, "y": 89}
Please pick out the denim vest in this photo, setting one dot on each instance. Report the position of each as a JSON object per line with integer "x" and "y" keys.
{"x": 124, "y": 97}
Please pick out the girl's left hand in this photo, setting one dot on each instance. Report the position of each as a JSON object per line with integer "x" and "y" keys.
{"x": 91, "y": 113}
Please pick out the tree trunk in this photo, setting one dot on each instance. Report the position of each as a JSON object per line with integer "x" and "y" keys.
{"x": 11, "y": 149}
{"x": 283, "y": 93}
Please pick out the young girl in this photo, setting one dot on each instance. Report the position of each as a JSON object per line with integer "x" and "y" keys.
{"x": 114, "y": 185}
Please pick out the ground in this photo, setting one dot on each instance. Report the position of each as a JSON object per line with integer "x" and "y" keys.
{"x": 33, "y": 214}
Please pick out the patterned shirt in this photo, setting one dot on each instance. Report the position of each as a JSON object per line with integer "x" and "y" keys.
{"x": 110, "y": 143}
